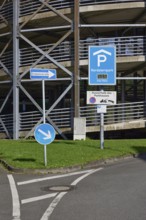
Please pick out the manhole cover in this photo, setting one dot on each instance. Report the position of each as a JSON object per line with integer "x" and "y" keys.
{"x": 58, "y": 188}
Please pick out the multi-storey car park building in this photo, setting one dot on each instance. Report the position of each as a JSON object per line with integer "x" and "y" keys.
{"x": 56, "y": 34}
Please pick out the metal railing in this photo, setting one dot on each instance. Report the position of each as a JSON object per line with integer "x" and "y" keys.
{"x": 95, "y": 2}
{"x": 120, "y": 113}
{"x": 7, "y": 121}
{"x": 61, "y": 117}
{"x": 63, "y": 52}
{"x": 30, "y": 6}
{"x": 125, "y": 46}
{"x": 7, "y": 10}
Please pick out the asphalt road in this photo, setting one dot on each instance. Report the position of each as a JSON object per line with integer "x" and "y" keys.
{"x": 113, "y": 192}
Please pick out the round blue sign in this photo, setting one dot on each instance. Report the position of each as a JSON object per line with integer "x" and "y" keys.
{"x": 44, "y": 134}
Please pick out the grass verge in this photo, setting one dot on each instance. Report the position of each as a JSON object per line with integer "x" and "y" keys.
{"x": 62, "y": 153}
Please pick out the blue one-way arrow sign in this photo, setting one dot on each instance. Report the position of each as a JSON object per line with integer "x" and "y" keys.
{"x": 102, "y": 65}
{"x": 44, "y": 134}
{"x": 42, "y": 74}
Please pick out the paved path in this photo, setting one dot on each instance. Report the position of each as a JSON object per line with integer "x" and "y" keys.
{"x": 113, "y": 192}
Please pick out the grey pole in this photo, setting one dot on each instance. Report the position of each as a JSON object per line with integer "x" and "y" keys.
{"x": 43, "y": 101}
{"x": 15, "y": 69}
{"x": 111, "y": 25}
{"x": 76, "y": 60}
{"x": 102, "y": 131}
{"x": 102, "y": 128}
{"x": 44, "y": 118}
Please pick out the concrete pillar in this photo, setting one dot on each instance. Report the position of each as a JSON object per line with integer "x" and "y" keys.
{"x": 79, "y": 129}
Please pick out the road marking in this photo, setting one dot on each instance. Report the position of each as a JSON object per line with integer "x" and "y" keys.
{"x": 52, "y": 177}
{"x": 52, "y": 206}
{"x": 15, "y": 198}
{"x": 34, "y": 199}
{"x": 84, "y": 176}
{"x": 55, "y": 202}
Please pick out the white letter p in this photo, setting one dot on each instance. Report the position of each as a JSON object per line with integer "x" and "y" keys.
{"x": 101, "y": 59}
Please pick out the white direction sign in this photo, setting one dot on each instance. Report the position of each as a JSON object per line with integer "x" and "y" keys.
{"x": 101, "y": 97}
{"x": 42, "y": 74}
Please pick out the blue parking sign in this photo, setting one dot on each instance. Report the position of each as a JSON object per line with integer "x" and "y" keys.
{"x": 102, "y": 65}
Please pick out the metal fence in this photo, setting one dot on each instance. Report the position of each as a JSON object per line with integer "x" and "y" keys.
{"x": 125, "y": 46}
{"x": 30, "y": 6}
{"x": 119, "y": 113}
{"x": 6, "y": 122}
{"x": 6, "y": 11}
{"x": 61, "y": 117}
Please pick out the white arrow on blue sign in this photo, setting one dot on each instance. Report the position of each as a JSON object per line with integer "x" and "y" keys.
{"x": 102, "y": 65}
{"x": 42, "y": 74}
{"x": 44, "y": 134}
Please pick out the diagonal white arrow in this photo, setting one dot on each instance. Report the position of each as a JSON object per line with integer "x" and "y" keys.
{"x": 47, "y": 135}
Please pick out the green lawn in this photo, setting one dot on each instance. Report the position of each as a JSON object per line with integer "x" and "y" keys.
{"x": 61, "y": 153}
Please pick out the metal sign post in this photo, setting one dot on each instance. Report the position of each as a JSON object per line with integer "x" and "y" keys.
{"x": 101, "y": 109}
{"x": 44, "y": 133}
{"x": 43, "y": 100}
{"x": 101, "y": 99}
{"x": 102, "y": 71}
{"x": 44, "y": 118}
{"x": 102, "y": 131}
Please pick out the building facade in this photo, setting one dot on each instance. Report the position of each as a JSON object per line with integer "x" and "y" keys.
{"x": 43, "y": 34}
